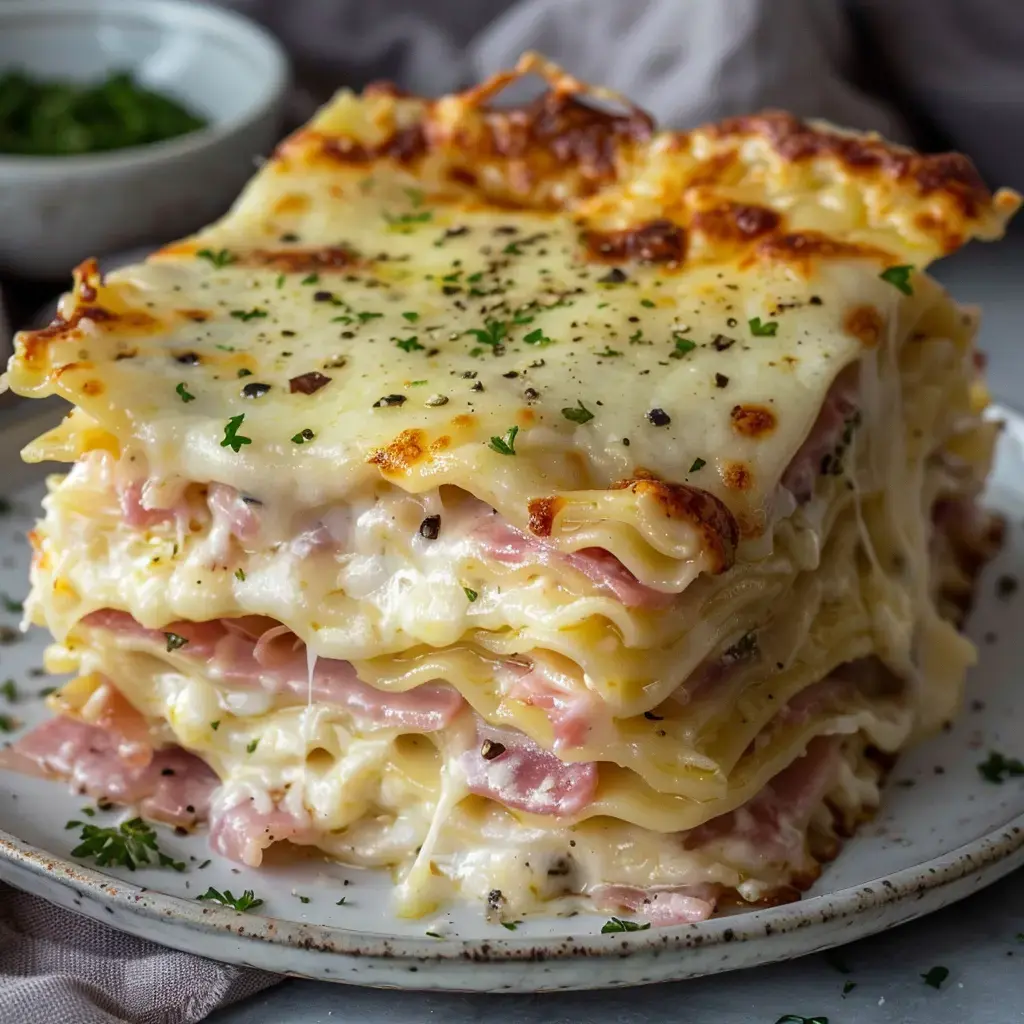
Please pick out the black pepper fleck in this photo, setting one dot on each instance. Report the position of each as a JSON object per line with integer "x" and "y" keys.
{"x": 255, "y": 390}
{"x": 430, "y": 528}
{"x": 659, "y": 418}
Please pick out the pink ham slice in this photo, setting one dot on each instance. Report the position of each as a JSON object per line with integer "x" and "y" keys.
{"x": 255, "y": 652}
{"x": 524, "y": 776}
{"x": 230, "y": 510}
{"x": 174, "y": 786}
{"x": 242, "y": 833}
{"x": 773, "y": 824}
{"x": 499, "y": 541}
{"x": 573, "y": 712}
{"x": 661, "y": 905}
{"x": 840, "y": 404}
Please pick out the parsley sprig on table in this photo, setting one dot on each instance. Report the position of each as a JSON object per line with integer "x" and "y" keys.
{"x": 128, "y": 845}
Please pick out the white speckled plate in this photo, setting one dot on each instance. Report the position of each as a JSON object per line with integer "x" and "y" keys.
{"x": 942, "y": 833}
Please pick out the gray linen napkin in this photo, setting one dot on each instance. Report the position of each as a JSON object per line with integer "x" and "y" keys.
{"x": 60, "y": 968}
{"x": 687, "y": 61}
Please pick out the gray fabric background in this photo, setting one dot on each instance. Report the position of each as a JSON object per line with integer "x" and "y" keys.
{"x": 945, "y": 70}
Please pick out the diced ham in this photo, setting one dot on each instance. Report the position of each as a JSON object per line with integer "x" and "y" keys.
{"x": 773, "y": 824}
{"x": 230, "y": 510}
{"x": 517, "y": 773}
{"x": 174, "y": 786}
{"x": 573, "y": 710}
{"x": 499, "y": 541}
{"x": 841, "y": 403}
{"x": 249, "y": 653}
{"x": 135, "y": 514}
{"x": 661, "y": 905}
{"x": 242, "y": 832}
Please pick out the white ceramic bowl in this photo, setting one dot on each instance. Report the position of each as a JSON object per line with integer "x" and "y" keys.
{"x": 55, "y": 211}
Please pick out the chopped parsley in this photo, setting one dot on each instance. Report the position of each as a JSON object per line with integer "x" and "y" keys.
{"x": 936, "y": 976}
{"x": 128, "y": 845}
{"x": 647, "y": 304}
{"x": 175, "y": 641}
{"x": 248, "y": 314}
{"x": 999, "y": 768}
{"x": 247, "y": 901}
{"x": 505, "y": 445}
{"x": 251, "y": 746}
{"x": 410, "y": 344}
{"x": 764, "y": 329}
{"x": 89, "y": 812}
{"x": 183, "y": 393}
{"x": 311, "y": 279}
{"x": 341, "y": 902}
{"x": 9, "y": 690}
{"x": 411, "y": 317}
{"x": 683, "y": 345}
{"x": 303, "y": 436}
{"x": 433, "y": 935}
{"x": 240, "y": 575}
{"x": 471, "y": 595}
{"x": 493, "y": 333}
{"x": 215, "y": 725}
{"x": 511, "y": 925}
{"x": 7, "y": 724}
{"x": 302, "y": 899}
{"x": 579, "y": 414}
{"x": 698, "y": 463}
{"x": 538, "y": 337}
{"x": 617, "y": 924}
{"x": 405, "y": 222}
{"x": 220, "y": 258}
{"x": 233, "y": 439}
{"x": 609, "y": 352}
{"x": 10, "y": 605}
{"x": 848, "y": 987}
{"x": 899, "y": 277}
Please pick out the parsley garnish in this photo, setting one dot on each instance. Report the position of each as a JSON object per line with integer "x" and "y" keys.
{"x": 10, "y": 605}
{"x": 220, "y": 258}
{"x": 310, "y": 279}
{"x": 609, "y": 352}
{"x": 302, "y": 899}
{"x": 233, "y": 439}
{"x": 128, "y": 845}
{"x": 404, "y": 222}
{"x": 511, "y": 925}
{"x": 215, "y": 725}
{"x": 899, "y": 277}
{"x": 698, "y": 463}
{"x": 493, "y": 332}
{"x": 240, "y": 575}
{"x": 89, "y": 812}
{"x": 248, "y": 314}
{"x": 280, "y": 280}
{"x": 303, "y": 436}
{"x": 251, "y": 746}
{"x": 175, "y": 641}
{"x": 411, "y": 317}
{"x": 183, "y": 393}
{"x": 581, "y": 414}
{"x": 433, "y": 935}
{"x": 247, "y": 901}
{"x": 341, "y": 902}
{"x": 999, "y": 768}
{"x": 366, "y": 316}
{"x": 647, "y": 303}
{"x": 616, "y": 924}
{"x": 848, "y": 987}
{"x": 538, "y": 337}
{"x": 7, "y": 724}
{"x": 683, "y": 345}
{"x": 766, "y": 329}
{"x": 410, "y": 344}
{"x": 936, "y": 976}
{"x": 505, "y": 445}
{"x": 9, "y": 690}
{"x": 471, "y": 595}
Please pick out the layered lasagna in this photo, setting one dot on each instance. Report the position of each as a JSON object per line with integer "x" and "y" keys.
{"x": 550, "y": 510}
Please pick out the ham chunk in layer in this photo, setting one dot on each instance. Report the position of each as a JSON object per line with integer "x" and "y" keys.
{"x": 174, "y": 786}
{"x": 509, "y": 767}
{"x": 242, "y": 832}
{"x": 661, "y": 905}
{"x": 254, "y": 652}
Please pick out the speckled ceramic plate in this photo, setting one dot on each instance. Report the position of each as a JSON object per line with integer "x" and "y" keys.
{"x": 942, "y": 833}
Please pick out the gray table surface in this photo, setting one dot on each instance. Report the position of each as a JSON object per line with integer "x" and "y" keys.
{"x": 980, "y": 941}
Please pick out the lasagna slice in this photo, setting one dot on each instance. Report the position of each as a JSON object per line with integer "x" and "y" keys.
{"x": 539, "y": 505}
